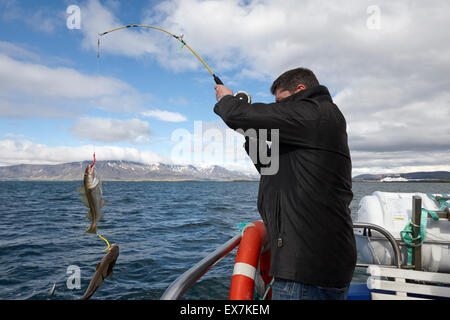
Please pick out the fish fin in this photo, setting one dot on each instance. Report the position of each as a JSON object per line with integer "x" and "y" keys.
{"x": 92, "y": 229}
{"x": 100, "y": 215}
{"x": 98, "y": 266}
{"x": 104, "y": 273}
{"x": 81, "y": 190}
{"x": 103, "y": 203}
{"x": 84, "y": 199}
{"x": 109, "y": 273}
{"x": 89, "y": 215}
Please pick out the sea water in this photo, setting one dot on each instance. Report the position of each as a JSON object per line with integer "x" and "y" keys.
{"x": 161, "y": 228}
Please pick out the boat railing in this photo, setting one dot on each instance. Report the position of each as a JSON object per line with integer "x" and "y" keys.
{"x": 177, "y": 289}
{"x": 389, "y": 237}
{"x": 184, "y": 282}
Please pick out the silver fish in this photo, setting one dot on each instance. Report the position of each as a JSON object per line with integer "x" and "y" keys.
{"x": 92, "y": 197}
{"x": 104, "y": 269}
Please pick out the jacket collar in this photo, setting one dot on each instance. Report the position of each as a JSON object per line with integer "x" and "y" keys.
{"x": 319, "y": 92}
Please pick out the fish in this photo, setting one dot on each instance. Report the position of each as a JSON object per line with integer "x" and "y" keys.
{"x": 103, "y": 270}
{"x": 92, "y": 197}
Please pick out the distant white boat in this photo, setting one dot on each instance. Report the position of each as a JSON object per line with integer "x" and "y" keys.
{"x": 393, "y": 179}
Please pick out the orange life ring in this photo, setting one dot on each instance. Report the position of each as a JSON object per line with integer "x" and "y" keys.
{"x": 250, "y": 252}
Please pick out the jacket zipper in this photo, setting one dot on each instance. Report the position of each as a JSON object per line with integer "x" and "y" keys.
{"x": 277, "y": 221}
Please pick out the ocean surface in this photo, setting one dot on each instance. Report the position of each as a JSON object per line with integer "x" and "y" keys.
{"x": 161, "y": 228}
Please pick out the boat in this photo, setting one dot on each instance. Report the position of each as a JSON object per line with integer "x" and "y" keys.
{"x": 393, "y": 211}
{"x": 393, "y": 179}
{"x": 405, "y": 252}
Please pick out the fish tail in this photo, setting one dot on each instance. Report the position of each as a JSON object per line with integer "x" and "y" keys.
{"x": 92, "y": 228}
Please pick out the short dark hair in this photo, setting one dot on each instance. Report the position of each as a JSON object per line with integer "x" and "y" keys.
{"x": 292, "y": 78}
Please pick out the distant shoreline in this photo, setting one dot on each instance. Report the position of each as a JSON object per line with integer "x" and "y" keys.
{"x": 193, "y": 180}
{"x": 125, "y": 180}
{"x": 409, "y": 181}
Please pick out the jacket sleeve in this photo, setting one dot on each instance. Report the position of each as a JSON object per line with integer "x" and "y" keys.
{"x": 295, "y": 120}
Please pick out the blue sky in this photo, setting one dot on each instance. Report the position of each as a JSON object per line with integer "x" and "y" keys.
{"x": 385, "y": 67}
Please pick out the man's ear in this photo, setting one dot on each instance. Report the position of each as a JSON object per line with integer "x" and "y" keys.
{"x": 299, "y": 88}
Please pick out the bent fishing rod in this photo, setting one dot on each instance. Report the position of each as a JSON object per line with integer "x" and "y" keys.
{"x": 179, "y": 38}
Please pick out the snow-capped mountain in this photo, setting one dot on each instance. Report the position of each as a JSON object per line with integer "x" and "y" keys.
{"x": 123, "y": 170}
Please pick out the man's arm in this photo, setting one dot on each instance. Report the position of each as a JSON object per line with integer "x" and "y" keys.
{"x": 296, "y": 121}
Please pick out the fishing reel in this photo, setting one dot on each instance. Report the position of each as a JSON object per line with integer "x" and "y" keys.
{"x": 242, "y": 95}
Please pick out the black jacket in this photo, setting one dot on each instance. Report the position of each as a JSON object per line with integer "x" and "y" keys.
{"x": 305, "y": 206}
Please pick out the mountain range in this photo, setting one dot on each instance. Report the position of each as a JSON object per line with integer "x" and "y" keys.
{"x": 123, "y": 170}
{"x": 133, "y": 171}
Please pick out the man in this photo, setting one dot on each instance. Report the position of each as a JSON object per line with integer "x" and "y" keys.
{"x": 305, "y": 205}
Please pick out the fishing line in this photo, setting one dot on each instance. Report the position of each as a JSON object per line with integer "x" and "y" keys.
{"x": 96, "y": 82}
{"x": 109, "y": 247}
{"x": 98, "y": 47}
{"x": 179, "y": 38}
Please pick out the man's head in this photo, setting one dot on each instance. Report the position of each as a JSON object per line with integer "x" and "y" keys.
{"x": 293, "y": 81}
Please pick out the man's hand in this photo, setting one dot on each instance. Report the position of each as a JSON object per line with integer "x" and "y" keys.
{"x": 221, "y": 91}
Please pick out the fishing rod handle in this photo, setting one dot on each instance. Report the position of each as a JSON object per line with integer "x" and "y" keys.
{"x": 217, "y": 79}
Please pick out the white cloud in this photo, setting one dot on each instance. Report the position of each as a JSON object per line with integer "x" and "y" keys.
{"x": 98, "y": 19}
{"x": 42, "y": 19}
{"x": 133, "y": 42}
{"x": 112, "y": 130}
{"x": 27, "y": 152}
{"x": 24, "y": 107}
{"x": 398, "y": 161}
{"x": 164, "y": 115}
{"x": 29, "y": 89}
{"x": 14, "y": 50}
{"x": 41, "y": 81}
{"x": 35, "y": 90}
{"x": 268, "y": 37}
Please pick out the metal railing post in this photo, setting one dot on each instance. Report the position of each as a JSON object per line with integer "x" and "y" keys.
{"x": 416, "y": 214}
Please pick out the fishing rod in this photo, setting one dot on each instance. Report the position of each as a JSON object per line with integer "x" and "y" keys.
{"x": 179, "y": 38}
{"x": 242, "y": 95}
